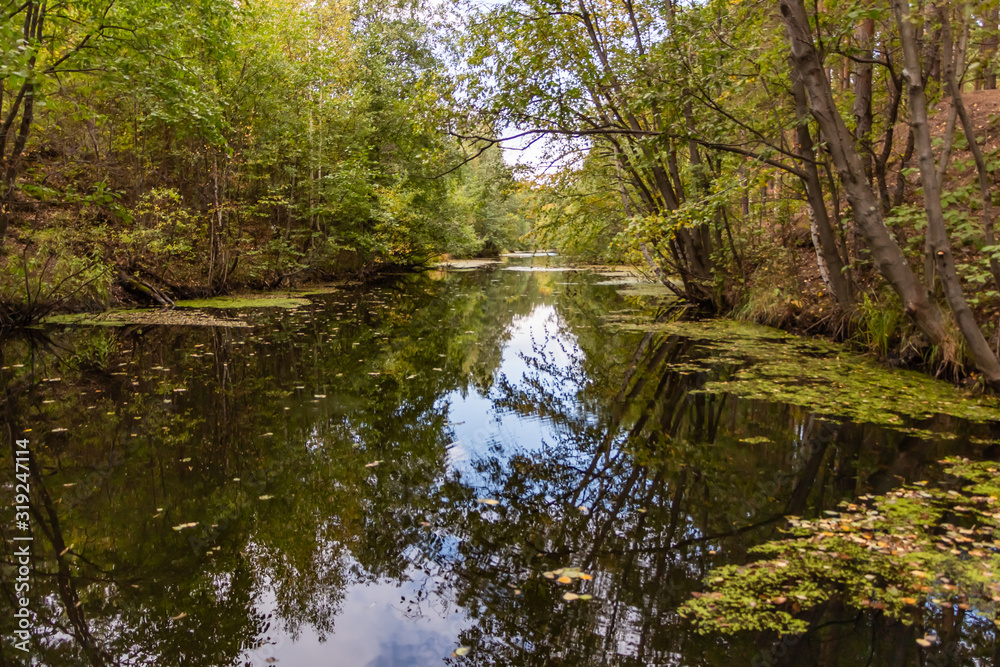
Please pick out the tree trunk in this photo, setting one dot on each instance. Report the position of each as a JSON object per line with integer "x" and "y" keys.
{"x": 882, "y": 157}
{"x": 215, "y": 224}
{"x": 831, "y": 264}
{"x": 864, "y": 34}
{"x": 989, "y": 47}
{"x": 980, "y": 350}
{"x": 34, "y": 23}
{"x": 948, "y": 73}
{"x": 984, "y": 177}
{"x": 864, "y": 204}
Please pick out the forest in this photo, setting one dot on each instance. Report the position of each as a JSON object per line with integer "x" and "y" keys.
{"x": 159, "y": 150}
{"x": 828, "y": 169}
{"x": 506, "y": 332}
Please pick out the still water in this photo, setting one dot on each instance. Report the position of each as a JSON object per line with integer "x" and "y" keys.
{"x": 389, "y": 474}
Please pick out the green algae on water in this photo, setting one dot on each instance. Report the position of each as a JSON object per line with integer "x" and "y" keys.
{"x": 758, "y": 362}
{"x": 317, "y": 290}
{"x": 245, "y": 301}
{"x": 162, "y": 317}
{"x": 915, "y": 548}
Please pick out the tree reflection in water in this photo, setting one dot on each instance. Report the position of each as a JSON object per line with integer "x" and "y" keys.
{"x": 312, "y": 454}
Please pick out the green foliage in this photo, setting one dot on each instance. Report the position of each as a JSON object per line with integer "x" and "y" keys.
{"x": 159, "y": 230}
{"x": 879, "y": 321}
{"x": 39, "y": 280}
{"x": 486, "y": 205}
{"x": 577, "y": 214}
{"x": 903, "y": 553}
{"x": 215, "y": 143}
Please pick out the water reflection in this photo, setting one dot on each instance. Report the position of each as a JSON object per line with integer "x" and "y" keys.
{"x": 390, "y": 473}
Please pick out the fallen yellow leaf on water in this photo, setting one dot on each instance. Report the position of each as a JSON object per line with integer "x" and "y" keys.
{"x": 569, "y": 597}
{"x": 487, "y": 501}
{"x": 564, "y": 580}
{"x": 586, "y": 577}
{"x": 178, "y": 616}
{"x": 462, "y": 650}
{"x": 909, "y": 600}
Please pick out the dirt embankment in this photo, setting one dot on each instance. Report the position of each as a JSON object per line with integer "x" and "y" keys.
{"x": 805, "y": 307}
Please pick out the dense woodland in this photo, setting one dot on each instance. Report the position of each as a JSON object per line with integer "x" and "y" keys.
{"x": 184, "y": 148}
{"x": 830, "y": 168}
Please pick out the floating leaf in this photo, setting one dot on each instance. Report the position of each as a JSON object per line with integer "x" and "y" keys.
{"x": 564, "y": 580}
{"x": 186, "y": 525}
{"x": 462, "y": 650}
{"x": 265, "y": 497}
{"x": 569, "y": 597}
{"x": 372, "y": 464}
{"x": 488, "y": 501}
{"x": 178, "y": 616}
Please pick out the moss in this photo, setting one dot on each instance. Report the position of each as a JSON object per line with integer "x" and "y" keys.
{"x": 758, "y": 362}
{"x": 245, "y": 301}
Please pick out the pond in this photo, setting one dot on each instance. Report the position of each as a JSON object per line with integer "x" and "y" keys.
{"x": 511, "y": 465}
